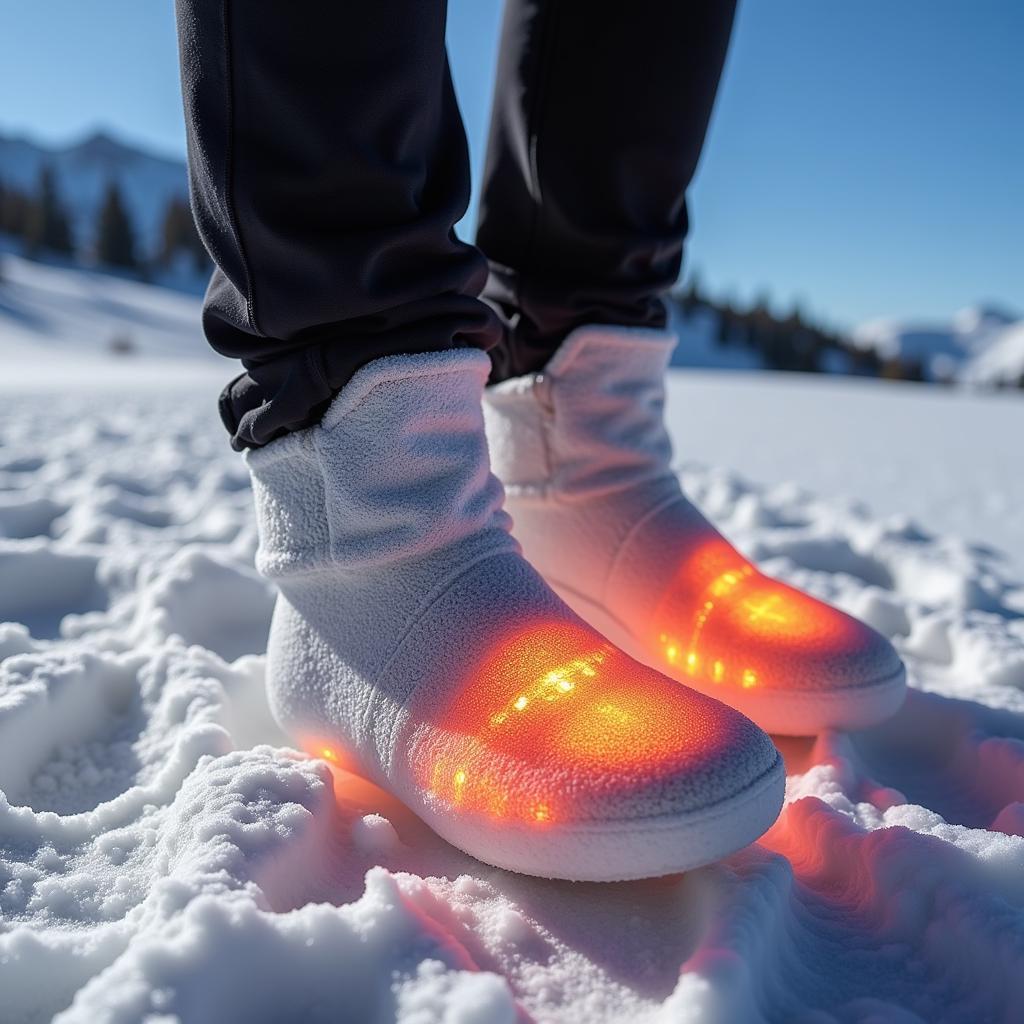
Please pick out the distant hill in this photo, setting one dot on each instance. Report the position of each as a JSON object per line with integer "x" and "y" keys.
{"x": 699, "y": 345}
{"x": 982, "y": 345}
{"x": 83, "y": 170}
{"x": 1002, "y": 361}
{"x": 977, "y": 345}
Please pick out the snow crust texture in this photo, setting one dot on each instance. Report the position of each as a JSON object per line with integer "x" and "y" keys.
{"x": 164, "y": 856}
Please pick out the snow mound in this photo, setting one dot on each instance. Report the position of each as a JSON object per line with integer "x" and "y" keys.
{"x": 165, "y": 856}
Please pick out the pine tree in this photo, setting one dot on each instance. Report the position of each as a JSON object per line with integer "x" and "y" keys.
{"x": 14, "y": 209}
{"x": 115, "y": 235}
{"x": 178, "y": 234}
{"x": 762, "y": 308}
{"x": 726, "y": 322}
{"x": 692, "y": 297}
{"x": 46, "y": 220}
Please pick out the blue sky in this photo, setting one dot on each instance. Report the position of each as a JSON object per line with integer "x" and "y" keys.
{"x": 865, "y": 158}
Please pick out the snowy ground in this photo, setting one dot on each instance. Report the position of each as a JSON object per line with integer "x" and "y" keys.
{"x": 952, "y": 460}
{"x": 72, "y": 314}
{"x": 164, "y": 856}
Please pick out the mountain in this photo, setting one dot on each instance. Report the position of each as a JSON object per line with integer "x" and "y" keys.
{"x": 1001, "y": 362}
{"x": 957, "y": 349}
{"x": 83, "y": 170}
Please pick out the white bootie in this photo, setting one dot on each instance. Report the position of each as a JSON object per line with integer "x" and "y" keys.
{"x": 584, "y": 455}
{"x": 411, "y": 635}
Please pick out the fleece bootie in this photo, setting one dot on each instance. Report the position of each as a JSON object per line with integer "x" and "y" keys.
{"x": 585, "y": 458}
{"x": 411, "y": 635}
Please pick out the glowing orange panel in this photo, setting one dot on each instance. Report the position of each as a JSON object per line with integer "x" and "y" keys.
{"x": 556, "y": 701}
{"x": 724, "y": 622}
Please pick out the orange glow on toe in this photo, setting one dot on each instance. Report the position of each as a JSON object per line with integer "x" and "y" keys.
{"x": 725, "y": 623}
{"x": 557, "y": 701}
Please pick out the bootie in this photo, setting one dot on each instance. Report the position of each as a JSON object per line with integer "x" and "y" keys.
{"x": 412, "y": 639}
{"x": 585, "y": 459}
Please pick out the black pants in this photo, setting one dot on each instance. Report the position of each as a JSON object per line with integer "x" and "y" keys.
{"x": 328, "y": 166}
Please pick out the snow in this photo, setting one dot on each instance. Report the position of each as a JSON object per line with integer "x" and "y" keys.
{"x": 945, "y": 461}
{"x": 698, "y": 345}
{"x": 981, "y": 346}
{"x": 165, "y": 856}
{"x": 1002, "y": 362}
{"x": 70, "y": 313}
{"x": 959, "y": 350}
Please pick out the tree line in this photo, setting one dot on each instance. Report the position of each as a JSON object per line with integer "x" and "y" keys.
{"x": 40, "y": 221}
{"x": 793, "y": 341}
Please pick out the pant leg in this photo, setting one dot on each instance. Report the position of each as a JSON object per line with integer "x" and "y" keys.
{"x": 599, "y": 117}
{"x": 328, "y": 166}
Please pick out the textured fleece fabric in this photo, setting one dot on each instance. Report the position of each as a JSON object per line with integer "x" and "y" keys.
{"x": 585, "y": 458}
{"x": 411, "y": 637}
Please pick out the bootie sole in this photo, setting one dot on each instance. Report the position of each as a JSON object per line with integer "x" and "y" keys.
{"x": 623, "y": 850}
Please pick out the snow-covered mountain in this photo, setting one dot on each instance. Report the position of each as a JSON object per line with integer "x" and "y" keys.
{"x": 961, "y": 349}
{"x": 1001, "y": 362}
{"x": 83, "y": 170}
{"x": 981, "y": 346}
